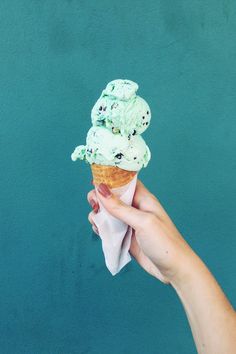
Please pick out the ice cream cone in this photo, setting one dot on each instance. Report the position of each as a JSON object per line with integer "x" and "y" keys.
{"x": 112, "y": 176}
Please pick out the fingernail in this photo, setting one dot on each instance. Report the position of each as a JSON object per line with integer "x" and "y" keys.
{"x": 104, "y": 190}
{"x": 92, "y": 203}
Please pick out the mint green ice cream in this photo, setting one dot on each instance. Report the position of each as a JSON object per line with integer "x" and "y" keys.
{"x": 104, "y": 148}
{"x": 121, "y": 110}
{"x": 118, "y": 117}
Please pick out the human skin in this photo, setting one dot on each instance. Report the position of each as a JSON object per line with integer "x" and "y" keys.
{"x": 159, "y": 248}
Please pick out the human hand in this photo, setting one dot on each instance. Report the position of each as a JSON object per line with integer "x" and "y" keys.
{"x": 156, "y": 244}
{"x": 160, "y": 249}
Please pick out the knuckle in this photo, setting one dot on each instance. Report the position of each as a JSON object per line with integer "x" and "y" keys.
{"x": 115, "y": 204}
{"x": 90, "y": 195}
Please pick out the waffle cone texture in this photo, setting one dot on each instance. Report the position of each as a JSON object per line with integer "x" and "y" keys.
{"x": 112, "y": 176}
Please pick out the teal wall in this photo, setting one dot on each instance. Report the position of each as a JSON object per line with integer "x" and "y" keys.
{"x": 56, "y": 296}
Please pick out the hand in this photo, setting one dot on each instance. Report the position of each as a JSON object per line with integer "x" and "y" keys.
{"x": 156, "y": 244}
{"x": 160, "y": 249}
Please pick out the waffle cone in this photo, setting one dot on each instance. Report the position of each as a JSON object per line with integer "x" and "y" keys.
{"x": 112, "y": 176}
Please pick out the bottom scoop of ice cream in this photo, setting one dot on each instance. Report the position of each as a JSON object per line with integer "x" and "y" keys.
{"x": 104, "y": 148}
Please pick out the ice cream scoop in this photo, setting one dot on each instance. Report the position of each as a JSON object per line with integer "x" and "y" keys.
{"x": 121, "y": 110}
{"x": 121, "y": 89}
{"x": 105, "y": 148}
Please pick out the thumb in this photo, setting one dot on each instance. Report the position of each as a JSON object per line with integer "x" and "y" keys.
{"x": 119, "y": 209}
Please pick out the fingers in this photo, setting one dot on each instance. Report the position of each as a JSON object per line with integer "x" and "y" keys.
{"x": 92, "y": 199}
{"x": 128, "y": 214}
{"x": 143, "y": 200}
{"x": 144, "y": 204}
{"x": 90, "y": 219}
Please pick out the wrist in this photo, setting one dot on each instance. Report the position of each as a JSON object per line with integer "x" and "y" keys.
{"x": 189, "y": 268}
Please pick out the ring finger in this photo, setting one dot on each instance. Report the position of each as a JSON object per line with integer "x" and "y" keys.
{"x": 90, "y": 219}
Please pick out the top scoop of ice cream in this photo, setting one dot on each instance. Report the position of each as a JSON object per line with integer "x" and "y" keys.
{"x": 121, "y": 89}
{"x": 120, "y": 110}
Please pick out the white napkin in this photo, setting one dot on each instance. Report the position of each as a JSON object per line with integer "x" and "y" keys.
{"x": 115, "y": 234}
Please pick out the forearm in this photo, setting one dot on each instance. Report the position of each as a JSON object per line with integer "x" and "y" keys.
{"x": 211, "y": 317}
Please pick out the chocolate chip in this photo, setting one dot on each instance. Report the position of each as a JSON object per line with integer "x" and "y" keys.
{"x": 119, "y": 156}
{"x": 134, "y": 132}
{"x": 129, "y": 137}
{"x": 114, "y": 105}
{"x": 135, "y": 158}
{"x": 147, "y": 112}
{"x": 146, "y": 123}
{"x": 143, "y": 117}
{"x": 100, "y": 108}
{"x": 104, "y": 109}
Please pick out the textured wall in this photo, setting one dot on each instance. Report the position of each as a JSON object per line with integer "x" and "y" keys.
{"x": 56, "y": 296}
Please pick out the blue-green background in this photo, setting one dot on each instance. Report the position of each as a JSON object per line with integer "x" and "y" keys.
{"x": 56, "y": 296}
